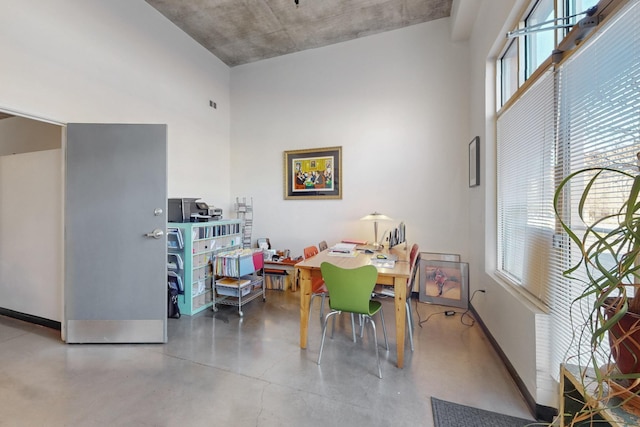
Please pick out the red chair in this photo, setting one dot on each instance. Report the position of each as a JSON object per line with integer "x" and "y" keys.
{"x": 318, "y": 288}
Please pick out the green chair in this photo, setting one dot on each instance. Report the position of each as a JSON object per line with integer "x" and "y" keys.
{"x": 350, "y": 291}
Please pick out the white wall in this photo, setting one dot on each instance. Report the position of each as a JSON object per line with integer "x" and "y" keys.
{"x": 104, "y": 62}
{"x": 396, "y": 102}
{"x": 513, "y": 321}
{"x": 31, "y": 217}
{"x": 20, "y": 135}
{"x": 31, "y": 233}
{"x": 121, "y": 61}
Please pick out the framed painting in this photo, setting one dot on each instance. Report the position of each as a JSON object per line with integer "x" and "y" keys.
{"x": 444, "y": 282}
{"x": 313, "y": 173}
{"x": 474, "y": 162}
{"x": 438, "y": 256}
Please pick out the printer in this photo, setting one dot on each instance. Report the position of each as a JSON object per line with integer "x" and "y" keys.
{"x": 215, "y": 213}
{"x": 190, "y": 210}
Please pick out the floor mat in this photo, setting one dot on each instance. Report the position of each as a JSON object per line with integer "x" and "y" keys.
{"x": 448, "y": 414}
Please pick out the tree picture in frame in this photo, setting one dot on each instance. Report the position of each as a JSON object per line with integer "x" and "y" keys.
{"x": 444, "y": 282}
{"x": 439, "y": 256}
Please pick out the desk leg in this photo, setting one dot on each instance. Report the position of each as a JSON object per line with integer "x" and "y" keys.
{"x": 400, "y": 290}
{"x": 305, "y": 297}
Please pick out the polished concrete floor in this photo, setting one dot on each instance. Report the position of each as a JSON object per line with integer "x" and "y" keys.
{"x": 219, "y": 369}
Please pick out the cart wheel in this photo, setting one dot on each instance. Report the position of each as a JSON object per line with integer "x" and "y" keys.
{"x": 240, "y": 313}
{"x": 215, "y": 309}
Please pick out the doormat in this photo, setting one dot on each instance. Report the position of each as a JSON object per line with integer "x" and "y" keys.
{"x": 448, "y": 414}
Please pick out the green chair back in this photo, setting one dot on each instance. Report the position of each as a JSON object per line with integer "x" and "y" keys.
{"x": 350, "y": 289}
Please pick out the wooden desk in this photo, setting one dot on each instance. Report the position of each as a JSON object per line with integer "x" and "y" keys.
{"x": 396, "y": 276}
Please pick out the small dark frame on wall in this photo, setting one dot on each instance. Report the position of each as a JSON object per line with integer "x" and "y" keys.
{"x": 313, "y": 173}
{"x": 474, "y": 162}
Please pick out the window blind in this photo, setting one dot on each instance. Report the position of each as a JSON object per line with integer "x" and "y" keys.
{"x": 525, "y": 161}
{"x": 599, "y": 125}
{"x": 585, "y": 113}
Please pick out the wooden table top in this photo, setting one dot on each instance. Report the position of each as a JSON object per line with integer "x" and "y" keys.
{"x": 400, "y": 269}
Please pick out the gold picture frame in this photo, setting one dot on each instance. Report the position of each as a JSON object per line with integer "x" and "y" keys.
{"x": 314, "y": 173}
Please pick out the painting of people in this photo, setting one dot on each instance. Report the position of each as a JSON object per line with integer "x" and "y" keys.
{"x": 312, "y": 173}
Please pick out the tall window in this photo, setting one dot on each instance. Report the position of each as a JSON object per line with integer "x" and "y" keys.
{"x": 576, "y": 6}
{"x": 583, "y": 112}
{"x": 599, "y": 125}
{"x": 509, "y": 72}
{"x": 526, "y": 220}
{"x": 545, "y": 26}
{"x": 539, "y": 44}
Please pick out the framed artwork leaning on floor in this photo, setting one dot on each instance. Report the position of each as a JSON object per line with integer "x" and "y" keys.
{"x": 444, "y": 282}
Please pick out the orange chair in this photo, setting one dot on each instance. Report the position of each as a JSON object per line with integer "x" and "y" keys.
{"x": 318, "y": 288}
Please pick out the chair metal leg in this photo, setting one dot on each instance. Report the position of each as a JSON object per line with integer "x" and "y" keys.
{"x": 384, "y": 330}
{"x": 321, "y": 305}
{"x": 311, "y": 306}
{"x": 375, "y": 342}
{"x": 353, "y": 327}
{"x": 333, "y": 324}
{"x": 410, "y": 324}
{"x": 324, "y": 331}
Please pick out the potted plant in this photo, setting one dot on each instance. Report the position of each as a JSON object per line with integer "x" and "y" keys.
{"x": 608, "y": 248}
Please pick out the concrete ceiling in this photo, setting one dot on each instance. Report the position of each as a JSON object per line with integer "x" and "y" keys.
{"x": 243, "y": 31}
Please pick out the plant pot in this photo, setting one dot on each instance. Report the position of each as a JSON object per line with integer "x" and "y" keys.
{"x": 624, "y": 339}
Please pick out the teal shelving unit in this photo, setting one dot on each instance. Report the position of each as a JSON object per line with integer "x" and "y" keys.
{"x": 192, "y": 248}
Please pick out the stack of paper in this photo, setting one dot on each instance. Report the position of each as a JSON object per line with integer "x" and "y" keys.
{"x": 384, "y": 261}
{"x": 343, "y": 249}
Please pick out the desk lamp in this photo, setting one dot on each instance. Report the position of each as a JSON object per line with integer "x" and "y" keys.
{"x": 375, "y": 217}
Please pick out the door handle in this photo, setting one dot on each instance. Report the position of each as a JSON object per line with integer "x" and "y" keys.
{"x": 156, "y": 234}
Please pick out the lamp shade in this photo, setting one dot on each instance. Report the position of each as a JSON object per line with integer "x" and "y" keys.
{"x": 375, "y": 216}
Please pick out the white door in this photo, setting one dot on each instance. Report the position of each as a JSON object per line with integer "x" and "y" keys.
{"x": 115, "y": 243}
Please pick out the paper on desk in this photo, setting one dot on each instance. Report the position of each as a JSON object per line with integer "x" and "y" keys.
{"x": 343, "y": 247}
{"x": 351, "y": 254}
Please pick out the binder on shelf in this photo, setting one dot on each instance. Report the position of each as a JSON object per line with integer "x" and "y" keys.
{"x": 174, "y": 262}
{"x": 175, "y": 281}
{"x": 174, "y": 239}
{"x": 397, "y": 236}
